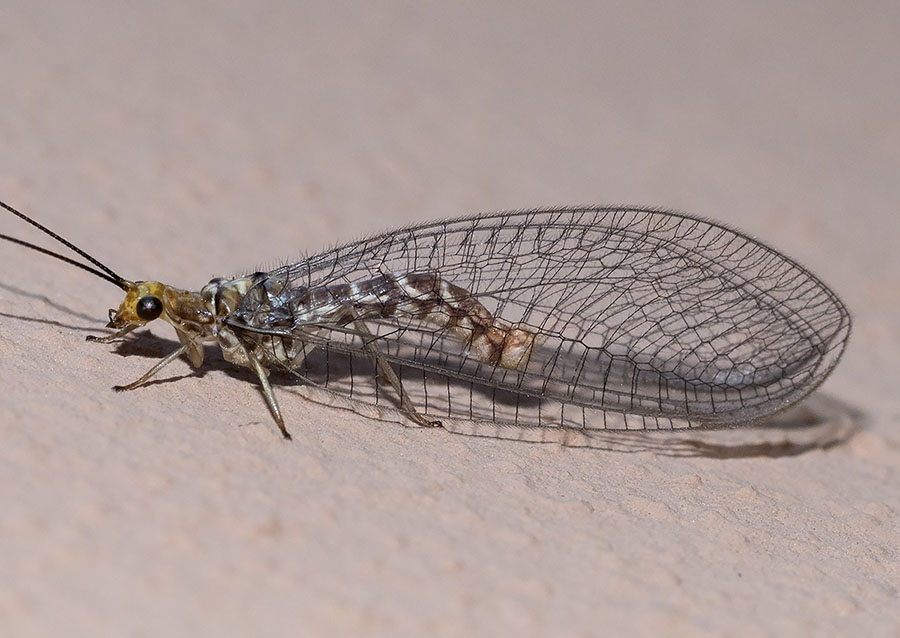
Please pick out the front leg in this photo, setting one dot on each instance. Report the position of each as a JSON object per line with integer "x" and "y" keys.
{"x": 152, "y": 371}
{"x": 110, "y": 338}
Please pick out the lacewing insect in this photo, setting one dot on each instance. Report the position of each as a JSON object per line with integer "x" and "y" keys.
{"x": 577, "y": 318}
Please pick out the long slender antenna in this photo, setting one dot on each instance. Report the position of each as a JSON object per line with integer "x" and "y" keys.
{"x": 107, "y": 273}
{"x": 68, "y": 260}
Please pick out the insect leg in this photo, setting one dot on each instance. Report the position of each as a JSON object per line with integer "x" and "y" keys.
{"x": 152, "y": 371}
{"x": 263, "y": 375}
{"x": 235, "y": 351}
{"x": 110, "y": 338}
{"x": 383, "y": 368}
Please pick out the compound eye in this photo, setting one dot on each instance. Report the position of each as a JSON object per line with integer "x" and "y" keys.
{"x": 149, "y": 308}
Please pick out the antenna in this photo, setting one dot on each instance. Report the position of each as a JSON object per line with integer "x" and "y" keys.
{"x": 106, "y": 273}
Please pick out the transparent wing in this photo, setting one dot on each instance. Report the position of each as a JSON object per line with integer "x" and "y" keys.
{"x": 643, "y": 319}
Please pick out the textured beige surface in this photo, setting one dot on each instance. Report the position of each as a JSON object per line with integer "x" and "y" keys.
{"x": 179, "y": 141}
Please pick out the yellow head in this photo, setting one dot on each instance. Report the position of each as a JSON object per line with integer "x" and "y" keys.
{"x": 144, "y": 301}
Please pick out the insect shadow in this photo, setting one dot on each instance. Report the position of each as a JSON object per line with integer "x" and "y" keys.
{"x": 49, "y": 302}
{"x": 821, "y": 422}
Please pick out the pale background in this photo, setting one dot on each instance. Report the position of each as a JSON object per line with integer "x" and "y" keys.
{"x": 178, "y": 141}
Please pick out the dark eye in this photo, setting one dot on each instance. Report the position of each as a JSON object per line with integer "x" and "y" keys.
{"x": 149, "y": 308}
